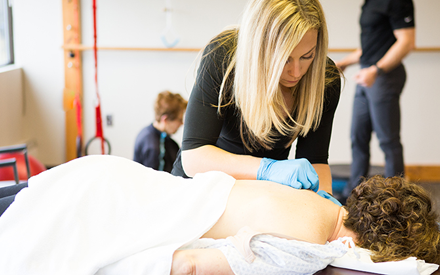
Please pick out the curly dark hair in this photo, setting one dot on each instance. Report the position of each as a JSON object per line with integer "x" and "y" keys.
{"x": 394, "y": 219}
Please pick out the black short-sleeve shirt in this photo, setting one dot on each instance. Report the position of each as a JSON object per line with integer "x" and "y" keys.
{"x": 204, "y": 126}
{"x": 378, "y": 20}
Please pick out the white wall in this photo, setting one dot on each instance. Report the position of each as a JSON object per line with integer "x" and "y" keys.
{"x": 38, "y": 40}
{"x": 421, "y": 96}
{"x": 11, "y": 105}
{"x": 130, "y": 80}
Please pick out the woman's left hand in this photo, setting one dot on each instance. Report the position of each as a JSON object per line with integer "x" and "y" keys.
{"x": 326, "y": 195}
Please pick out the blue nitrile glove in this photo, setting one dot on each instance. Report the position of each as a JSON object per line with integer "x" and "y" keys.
{"x": 326, "y": 195}
{"x": 296, "y": 173}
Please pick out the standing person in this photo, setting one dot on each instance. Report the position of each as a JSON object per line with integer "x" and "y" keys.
{"x": 387, "y": 36}
{"x": 260, "y": 87}
{"x": 154, "y": 147}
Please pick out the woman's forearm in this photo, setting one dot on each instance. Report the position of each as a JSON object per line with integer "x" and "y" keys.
{"x": 325, "y": 177}
{"x": 211, "y": 158}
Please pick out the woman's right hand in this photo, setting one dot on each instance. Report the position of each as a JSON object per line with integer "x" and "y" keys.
{"x": 296, "y": 173}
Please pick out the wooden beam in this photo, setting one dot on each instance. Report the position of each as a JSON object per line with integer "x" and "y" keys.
{"x": 72, "y": 73}
{"x": 85, "y": 48}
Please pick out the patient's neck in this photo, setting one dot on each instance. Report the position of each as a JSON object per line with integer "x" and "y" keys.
{"x": 340, "y": 230}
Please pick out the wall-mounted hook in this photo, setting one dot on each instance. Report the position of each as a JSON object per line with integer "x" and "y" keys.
{"x": 169, "y": 37}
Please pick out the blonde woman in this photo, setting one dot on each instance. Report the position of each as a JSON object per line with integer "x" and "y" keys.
{"x": 260, "y": 87}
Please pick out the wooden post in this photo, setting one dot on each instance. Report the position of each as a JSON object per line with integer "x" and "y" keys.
{"x": 72, "y": 73}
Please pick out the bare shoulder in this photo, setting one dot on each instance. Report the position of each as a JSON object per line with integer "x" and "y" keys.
{"x": 270, "y": 207}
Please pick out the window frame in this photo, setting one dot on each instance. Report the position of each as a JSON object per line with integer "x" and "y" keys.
{"x": 9, "y": 35}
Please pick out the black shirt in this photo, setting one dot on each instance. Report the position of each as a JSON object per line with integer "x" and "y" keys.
{"x": 147, "y": 150}
{"x": 378, "y": 20}
{"x": 204, "y": 126}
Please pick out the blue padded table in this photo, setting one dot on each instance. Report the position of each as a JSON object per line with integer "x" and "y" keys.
{"x": 330, "y": 270}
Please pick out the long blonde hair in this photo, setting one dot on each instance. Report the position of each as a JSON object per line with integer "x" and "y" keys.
{"x": 269, "y": 32}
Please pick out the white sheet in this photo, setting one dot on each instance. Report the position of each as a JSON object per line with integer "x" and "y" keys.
{"x": 92, "y": 212}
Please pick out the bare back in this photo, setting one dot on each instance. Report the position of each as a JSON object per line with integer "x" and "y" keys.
{"x": 269, "y": 207}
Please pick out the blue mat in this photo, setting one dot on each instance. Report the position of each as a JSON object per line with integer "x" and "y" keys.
{"x": 338, "y": 185}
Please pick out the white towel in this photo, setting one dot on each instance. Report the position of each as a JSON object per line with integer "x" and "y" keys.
{"x": 92, "y": 212}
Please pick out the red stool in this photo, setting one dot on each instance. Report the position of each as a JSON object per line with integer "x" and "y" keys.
{"x": 22, "y": 165}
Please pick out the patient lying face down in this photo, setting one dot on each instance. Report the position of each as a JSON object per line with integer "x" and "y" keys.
{"x": 391, "y": 217}
{"x": 68, "y": 207}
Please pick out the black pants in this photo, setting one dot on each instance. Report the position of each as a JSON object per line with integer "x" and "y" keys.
{"x": 7, "y": 195}
{"x": 377, "y": 109}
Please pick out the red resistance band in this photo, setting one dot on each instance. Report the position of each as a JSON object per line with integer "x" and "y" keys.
{"x": 99, "y": 132}
{"x": 78, "y": 107}
{"x": 77, "y": 101}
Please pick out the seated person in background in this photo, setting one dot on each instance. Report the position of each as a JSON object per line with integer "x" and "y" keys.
{"x": 391, "y": 217}
{"x": 154, "y": 147}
